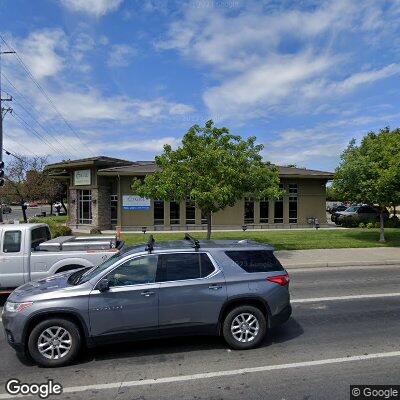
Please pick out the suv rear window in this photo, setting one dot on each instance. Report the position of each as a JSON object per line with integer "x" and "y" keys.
{"x": 255, "y": 260}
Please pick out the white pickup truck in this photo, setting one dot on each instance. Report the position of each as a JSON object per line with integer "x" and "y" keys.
{"x": 27, "y": 253}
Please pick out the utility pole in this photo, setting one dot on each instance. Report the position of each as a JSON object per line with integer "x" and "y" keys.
{"x": 3, "y": 112}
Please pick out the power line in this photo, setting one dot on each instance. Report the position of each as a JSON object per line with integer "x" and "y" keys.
{"x": 30, "y": 75}
{"x": 18, "y": 118}
{"x": 19, "y": 144}
{"x": 66, "y": 151}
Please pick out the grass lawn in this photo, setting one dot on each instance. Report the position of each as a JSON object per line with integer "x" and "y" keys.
{"x": 53, "y": 219}
{"x": 291, "y": 240}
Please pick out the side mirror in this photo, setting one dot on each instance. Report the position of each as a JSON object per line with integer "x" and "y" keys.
{"x": 103, "y": 285}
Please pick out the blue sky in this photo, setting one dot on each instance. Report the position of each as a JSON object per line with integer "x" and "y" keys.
{"x": 304, "y": 77}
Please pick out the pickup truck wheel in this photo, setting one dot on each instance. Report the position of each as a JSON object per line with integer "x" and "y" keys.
{"x": 244, "y": 327}
{"x": 54, "y": 342}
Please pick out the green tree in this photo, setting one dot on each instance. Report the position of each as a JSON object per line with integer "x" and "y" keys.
{"x": 333, "y": 195}
{"x": 213, "y": 168}
{"x": 370, "y": 173}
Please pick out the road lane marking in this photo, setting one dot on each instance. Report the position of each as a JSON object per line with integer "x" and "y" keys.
{"x": 343, "y": 268}
{"x": 216, "y": 374}
{"x": 352, "y": 297}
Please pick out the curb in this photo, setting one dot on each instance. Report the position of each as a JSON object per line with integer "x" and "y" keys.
{"x": 341, "y": 264}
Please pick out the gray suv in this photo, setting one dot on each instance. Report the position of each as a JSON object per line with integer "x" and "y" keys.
{"x": 236, "y": 289}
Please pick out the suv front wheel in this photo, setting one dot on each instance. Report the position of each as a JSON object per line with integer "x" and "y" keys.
{"x": 54, "y": 342}
{"x": 244, "y": 327}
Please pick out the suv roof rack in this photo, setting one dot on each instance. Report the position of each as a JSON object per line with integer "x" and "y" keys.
{"x": 150, "y": 244}
{"x": 192, "y": 240}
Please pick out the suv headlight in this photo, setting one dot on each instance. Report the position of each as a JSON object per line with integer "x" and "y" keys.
{"x": 17, "y": 307}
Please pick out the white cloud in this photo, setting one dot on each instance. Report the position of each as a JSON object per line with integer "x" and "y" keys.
{"x": 120, "y": 55}
{"x": 148, "y": 145}
{"x": 265, "y": 85}
{"x": 91, "y": 107}
{"x": 325, "y": 88}
{"x": 276, "y": 58}
{"x": 362, "y": 78}
{"x": 96, "y": 8}
{"x": 301, "y": 146}
{"x": 43, "y": 51}
{"x": 234, "y": 43}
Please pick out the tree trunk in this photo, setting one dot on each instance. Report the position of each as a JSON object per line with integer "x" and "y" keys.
{"x": 382, "y": 227}
{"x": 394, "y": 210}
{"x": 24, "y": 212}
{"x": 51, "y": 208}
{"x": 208, "y": 226}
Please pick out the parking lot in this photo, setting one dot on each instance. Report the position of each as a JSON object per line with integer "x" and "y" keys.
{"x": 344, "y": 330}
{"x": 16, "y": 214}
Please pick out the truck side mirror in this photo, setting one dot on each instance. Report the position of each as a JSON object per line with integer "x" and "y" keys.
{"x": 103, "y": 285}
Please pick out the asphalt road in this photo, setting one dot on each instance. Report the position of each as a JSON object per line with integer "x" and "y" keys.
{"x": 16, "y": 213}
{"x": 344, "y": 330}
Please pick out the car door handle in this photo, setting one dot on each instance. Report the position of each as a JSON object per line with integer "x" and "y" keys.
{"x": 215, "y": 287}
{"x": 147, "y": 293}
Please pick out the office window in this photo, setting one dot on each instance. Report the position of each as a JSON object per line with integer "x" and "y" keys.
{"x": 203, "y": 218}
{"x": 174, "y": 213}
{"x": 158, "y": 212}
{"x": 248, "y": 211}
{"x": 84, "y": 206}
{"x": 293, "y": 210}
{"x": 190, "y": 212}
{"x": 264, "y": 210}
{"x": 278, "y": 209}
{"x": 293, "y": 191}
{"x": 114, "y": 209}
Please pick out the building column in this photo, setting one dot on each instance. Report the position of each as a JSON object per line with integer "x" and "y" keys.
{"x": 271, "y": 211}
{"x": 286, "y": 210}
{"x": 119, "y": 207}
{"x": 103, "y": 207}
{"x": 167, "y": 221}
{"x": 197, "y": 216}
{"x": 182, "y": 213}
{"x": 256, "y": 212}
{"x": 72, "y": 207}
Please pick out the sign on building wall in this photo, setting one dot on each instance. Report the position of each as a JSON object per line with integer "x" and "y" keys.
{"x": 82, "y": 177}
{"x": 132, "y": 203}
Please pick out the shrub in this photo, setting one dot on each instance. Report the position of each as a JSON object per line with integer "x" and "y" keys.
{"x": 95, "y": 231}
{"x": 393, "y": 222}
{"x": 348, "y": 221}
{"x": 361, "y": 225}
{"x": 60, "y": 230}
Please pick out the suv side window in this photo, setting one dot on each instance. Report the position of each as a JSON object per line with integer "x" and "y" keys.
{"x": 134, "y": 272}
{"x": 12, "y": 242}
{"x": 255, "y": 260}
{"x": 182, "y": 266}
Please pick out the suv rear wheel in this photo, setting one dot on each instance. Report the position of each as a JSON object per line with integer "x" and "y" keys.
{"x": 54, "y": 342}
{"x": 244, "y": 327}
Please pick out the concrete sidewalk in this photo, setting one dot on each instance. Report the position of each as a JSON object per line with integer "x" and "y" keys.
{"x": 339, "y": 257}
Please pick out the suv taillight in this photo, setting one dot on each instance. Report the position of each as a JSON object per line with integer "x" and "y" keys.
{"x": 282, "y": 280}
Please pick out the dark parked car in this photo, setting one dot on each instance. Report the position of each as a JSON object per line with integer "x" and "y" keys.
{"x": 360, "y": 213}
{"x": 337, "y": 208}
{"x": 235, "y": 289}
{"x": 6, "y": 209}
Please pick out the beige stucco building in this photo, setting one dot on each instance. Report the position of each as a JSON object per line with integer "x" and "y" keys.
{"x": 100, "y": 195}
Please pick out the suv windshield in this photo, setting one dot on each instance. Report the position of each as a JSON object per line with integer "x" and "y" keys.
{"x": 352, "y": 209}
{"x": 100, "y": 268}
